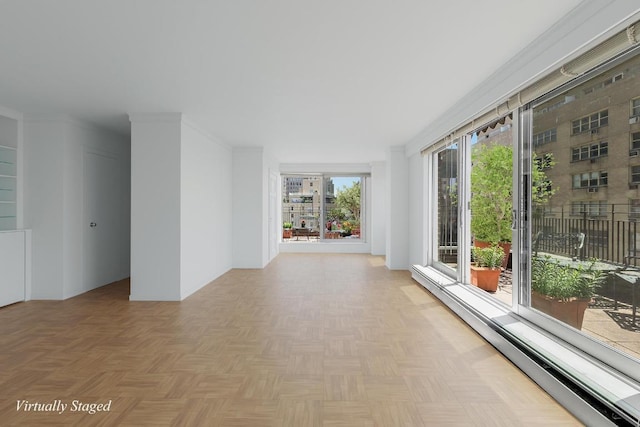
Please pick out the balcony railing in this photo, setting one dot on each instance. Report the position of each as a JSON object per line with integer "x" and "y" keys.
{"x": 610, "y": 234}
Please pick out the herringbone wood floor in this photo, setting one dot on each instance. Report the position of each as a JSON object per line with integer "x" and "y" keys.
{"x": 331, "y": 340}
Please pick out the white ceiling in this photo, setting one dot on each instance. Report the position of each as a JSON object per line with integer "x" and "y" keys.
{"x": 314, "y": 81}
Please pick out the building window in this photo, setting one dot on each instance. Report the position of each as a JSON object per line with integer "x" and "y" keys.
{"x": 593, "y": 179}
{"x": 604, "y": 83}
{"x": 590, "y": 208}
{"x": 589, "y": 151}
{"x": 635, "y": 107}
{"x": 587, "y": 123}
{"x": 634, "y": 208}
{"x": 544, "y": 162}
{"x": 635, "y": 141}
{"x": 635, "y": 174}
{"x": 550, "y": 135}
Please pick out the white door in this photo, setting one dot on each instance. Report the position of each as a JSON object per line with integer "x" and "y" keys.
{"x": 101, "y": 224}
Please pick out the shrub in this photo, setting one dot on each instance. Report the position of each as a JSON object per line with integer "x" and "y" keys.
{"x": 562, "y": 281}
{"x": 490, "y": 257}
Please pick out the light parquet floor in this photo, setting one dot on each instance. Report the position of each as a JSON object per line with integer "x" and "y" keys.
{"x": 311, "y": 340}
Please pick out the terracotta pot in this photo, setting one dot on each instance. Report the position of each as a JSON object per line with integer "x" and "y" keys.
{"x": 570, "y": 312}
{"x": 287, "y": 233}
{"x": 485, "y": 278}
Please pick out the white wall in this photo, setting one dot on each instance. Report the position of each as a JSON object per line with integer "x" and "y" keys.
{"x": 155, "y": 207}
{"x": 249, "y": 211}
{"x": 181, "y": 216}
{"x": 398, "y": 209}
{"x": 205, "y": 213}
{"x": 378, "y": 208}
{"x": 53, "y": 161}
{"x": 44, "y": 165}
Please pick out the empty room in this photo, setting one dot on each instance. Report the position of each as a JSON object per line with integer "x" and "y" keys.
{"x": 285, "y": 213}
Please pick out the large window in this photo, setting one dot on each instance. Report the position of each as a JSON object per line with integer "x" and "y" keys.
{"x": 318, "y": 207}
{"x": 544, "y": 176}
{"x": 588, "y": 258}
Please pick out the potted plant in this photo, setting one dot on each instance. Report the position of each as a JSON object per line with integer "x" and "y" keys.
{"x": 485, "y": 270}
{"x": 491, "y": 193}
{"x": 563, "y": 289}
{"x": 287, "y": 231}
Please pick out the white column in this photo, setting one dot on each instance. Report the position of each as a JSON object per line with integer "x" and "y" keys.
{"x": 248, "y": 207}
{"x": 397, "y": 254}
{"x": 155, "y": 206}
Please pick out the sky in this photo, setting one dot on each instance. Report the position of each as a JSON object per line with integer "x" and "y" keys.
{"x": 338, "y": 182}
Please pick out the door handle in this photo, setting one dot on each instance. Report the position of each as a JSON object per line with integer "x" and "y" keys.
{"x": 93, "y": 224}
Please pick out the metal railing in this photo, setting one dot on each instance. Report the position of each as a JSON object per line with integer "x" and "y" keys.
{"x": 610, "y": 234}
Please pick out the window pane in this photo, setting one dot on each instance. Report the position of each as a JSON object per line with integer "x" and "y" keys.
{"x": 316, "y": 207}
{"x": 582, "y": 238}
{"x": 342, "y": 207}
{"x": 447, "y": 210}
{"x": 300, "y": 208}
{"x": 491, "y": 204}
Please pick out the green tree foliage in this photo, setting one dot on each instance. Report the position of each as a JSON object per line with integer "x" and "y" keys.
{"x": 348, "y": 200}
{"x": 491, "y": 190}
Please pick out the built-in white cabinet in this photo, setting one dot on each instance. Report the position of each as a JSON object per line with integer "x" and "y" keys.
{"x": 14, "y": 266}
{"x": 8, "y": 173}
{"x": 15, "y": 244}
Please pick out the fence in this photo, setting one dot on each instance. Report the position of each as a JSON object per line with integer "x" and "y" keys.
{"x": 609, "y": 235}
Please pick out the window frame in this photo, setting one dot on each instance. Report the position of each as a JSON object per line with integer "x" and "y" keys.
{"x": 635, "y": 107}
{"x": 635, "y": 139}
{"x": 590, "y": 122}
{"x": 321, "y": 178}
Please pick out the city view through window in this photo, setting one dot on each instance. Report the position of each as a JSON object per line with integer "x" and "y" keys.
{"x": 584, "y": 187}
{"x": 316, "y": 207}
{"x": 582, "y": 184}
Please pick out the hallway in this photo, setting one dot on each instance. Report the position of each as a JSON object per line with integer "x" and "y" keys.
{"x": 312, "y": 339}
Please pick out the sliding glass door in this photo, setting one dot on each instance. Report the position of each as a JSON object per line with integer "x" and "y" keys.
{"x": 584, "y": 257}
{"x": 446, "y": 167}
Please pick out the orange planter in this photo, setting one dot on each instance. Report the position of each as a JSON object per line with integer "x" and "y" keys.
{"x": 485, "y": 278}
{"x": 506, "y": 247}
{"x": 570, "y": 312}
